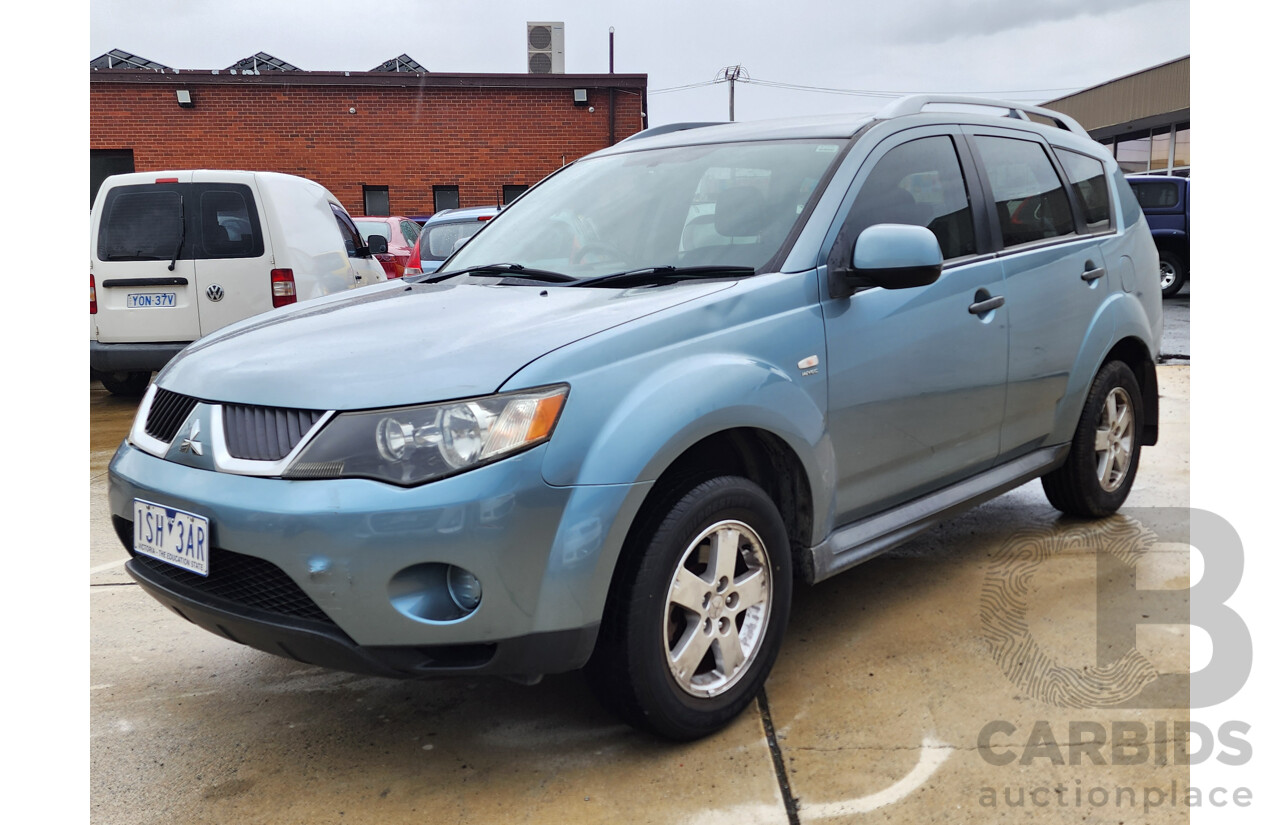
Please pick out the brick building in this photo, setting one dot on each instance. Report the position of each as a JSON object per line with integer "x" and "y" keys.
{"x": 397, "y": 142}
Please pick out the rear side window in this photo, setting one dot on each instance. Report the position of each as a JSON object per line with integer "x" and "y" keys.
{"x": 1030, "y": 200}
{"x": 1155, "y": 194}
{"x": 1088, "y": 180}
{"x": 410, "y": 231}
{"x": 918, "y": 183}
{"x": 443, "y": 239}
{"x": 228, "y": 223}
{"x": 1130, "y": 211}
{"x": 140, "y": 223}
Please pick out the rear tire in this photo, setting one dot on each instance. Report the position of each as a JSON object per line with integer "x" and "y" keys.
{"x": 125, "y": 383}
{"x": 697, "y": 613}
{"x": 1173, "y": 273}
{"x": 1102, "y": 463}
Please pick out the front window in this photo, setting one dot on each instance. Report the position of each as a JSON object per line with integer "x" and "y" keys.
{"x": 717, "y": 205}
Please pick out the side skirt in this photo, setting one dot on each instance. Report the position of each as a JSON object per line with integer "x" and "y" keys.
{"x": 862, "y": 540}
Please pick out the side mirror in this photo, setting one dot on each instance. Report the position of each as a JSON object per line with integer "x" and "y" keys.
{"x": 890, "y": 256}
{"x": 377, "y": 245}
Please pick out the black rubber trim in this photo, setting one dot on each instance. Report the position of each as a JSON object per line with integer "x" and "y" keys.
{"x": 171, "y": 281}
{"x": 132, "y": 357}
{"x": 324, "y": 645}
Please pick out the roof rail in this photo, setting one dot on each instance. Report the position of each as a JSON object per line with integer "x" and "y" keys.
{"x": 666, "y": 128}
{"x": 914, "y": 104}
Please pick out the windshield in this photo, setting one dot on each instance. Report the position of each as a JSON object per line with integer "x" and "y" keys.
{"x": 727, "y": 204}
{"x": 368, "y": 228}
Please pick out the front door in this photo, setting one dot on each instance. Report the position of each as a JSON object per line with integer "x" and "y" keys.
{"x": 916, "y": 376}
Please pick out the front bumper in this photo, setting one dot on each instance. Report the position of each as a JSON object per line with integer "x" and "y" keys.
{"x": 132, "y": 357}
{"x": 544, "y": 555}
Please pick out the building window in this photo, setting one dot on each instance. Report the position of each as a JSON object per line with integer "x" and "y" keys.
{"x": 1134, "y": 153}
{"x": 1182, "y": 146}
{"x": 512, "y": 191}
{"x": 1160, "y": 151}
{"x": 377, "y": 200}
{"x": 103, "y": 163}
{"x": 446, "y": 197}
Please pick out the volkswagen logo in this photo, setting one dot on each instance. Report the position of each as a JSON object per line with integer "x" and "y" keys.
{"x": 214, "y": 292}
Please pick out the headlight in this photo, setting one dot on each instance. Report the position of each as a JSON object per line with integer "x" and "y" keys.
{"x": 411, "y": 445}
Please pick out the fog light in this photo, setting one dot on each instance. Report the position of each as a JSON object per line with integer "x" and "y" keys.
{"x": 464, "y": 588}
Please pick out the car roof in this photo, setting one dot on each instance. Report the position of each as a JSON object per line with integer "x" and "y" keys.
{"x": 911, "y": 110}
{"x": 464, "y": 213}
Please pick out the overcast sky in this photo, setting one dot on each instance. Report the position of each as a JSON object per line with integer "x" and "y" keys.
{"x": 1029, "y": 50}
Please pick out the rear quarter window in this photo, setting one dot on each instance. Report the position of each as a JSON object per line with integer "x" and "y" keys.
{"x": 1155, "y": 194}
{"x": 229, "y": 226}
{"x": 1088, "y": 179}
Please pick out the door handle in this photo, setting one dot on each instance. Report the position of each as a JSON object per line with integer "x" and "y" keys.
{"x": 359, "y": 277}
{"x": 1094, "y": 274}
{"x": 981, "y": 307}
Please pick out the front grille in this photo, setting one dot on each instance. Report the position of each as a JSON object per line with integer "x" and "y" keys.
{"x": 168, "y": 411}
{"x": 234, "y": 577}
{"x": 265, "y": 433}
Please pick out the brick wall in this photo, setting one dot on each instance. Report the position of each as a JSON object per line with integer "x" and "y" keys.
{"x": 407, "y": 139}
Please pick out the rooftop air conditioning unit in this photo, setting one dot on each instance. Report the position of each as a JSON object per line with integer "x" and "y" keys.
{"x": 546, "y": 47}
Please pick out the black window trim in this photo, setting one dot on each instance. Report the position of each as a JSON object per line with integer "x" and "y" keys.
{"x": 976, "y": 187}
{"x": 970, "y": 132}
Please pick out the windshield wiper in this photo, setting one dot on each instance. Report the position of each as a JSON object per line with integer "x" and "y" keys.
{"x": 182, "y": 221}
{"x": 515, "y": 270}
{"x": 658, "y": 274}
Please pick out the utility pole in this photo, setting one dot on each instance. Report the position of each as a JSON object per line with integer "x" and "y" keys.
{"x": 732, "y": 74}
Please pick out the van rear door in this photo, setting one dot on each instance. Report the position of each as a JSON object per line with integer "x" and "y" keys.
{"x": 142, "y": 263}
{"x": 231, "y": 245}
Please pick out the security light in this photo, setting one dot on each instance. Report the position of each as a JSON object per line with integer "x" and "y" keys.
{"x": 184, "y": 99}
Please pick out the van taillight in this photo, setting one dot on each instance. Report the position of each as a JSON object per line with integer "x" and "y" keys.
{"x": 93, "y": 296}
{"x": 283, "y": 292}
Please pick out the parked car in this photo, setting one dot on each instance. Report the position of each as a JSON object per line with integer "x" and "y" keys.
{"x": 176, "y": 255}
{"x": 401, "y": 234}
{"x": 615, "y": 432}
{"x": 444, "y": 233}
{"x": 1166, "y": 201}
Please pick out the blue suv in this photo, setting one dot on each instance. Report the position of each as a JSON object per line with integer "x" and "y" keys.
{"x": 674, "y": 378}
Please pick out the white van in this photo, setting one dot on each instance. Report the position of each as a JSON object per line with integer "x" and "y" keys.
{"x": 176, "y": 255}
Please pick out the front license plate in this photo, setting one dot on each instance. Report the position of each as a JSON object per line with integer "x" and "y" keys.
{"x": 171, "y": 535}
{"x": 138, "y": 300}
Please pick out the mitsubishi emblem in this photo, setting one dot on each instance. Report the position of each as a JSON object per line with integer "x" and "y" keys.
{"x": 189, "y": 444}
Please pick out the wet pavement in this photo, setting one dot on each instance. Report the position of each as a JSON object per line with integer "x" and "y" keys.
{"x": 876, "y": 710}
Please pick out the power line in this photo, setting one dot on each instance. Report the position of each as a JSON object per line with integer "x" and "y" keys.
{"x": 728, "y": 74}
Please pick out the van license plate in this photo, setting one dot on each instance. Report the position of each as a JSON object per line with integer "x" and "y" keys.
{"x": 139, "y": 300}
{"x": 171, "y": 535}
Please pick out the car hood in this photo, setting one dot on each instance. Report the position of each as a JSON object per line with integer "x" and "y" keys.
{"x": 401, "y": 343}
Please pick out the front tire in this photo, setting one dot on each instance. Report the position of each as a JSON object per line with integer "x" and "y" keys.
{"x": 1103, "y": 461}
{"x": 698, "y": 611}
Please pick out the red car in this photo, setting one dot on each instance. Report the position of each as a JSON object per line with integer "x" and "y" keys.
{"x": 401, "y": 234}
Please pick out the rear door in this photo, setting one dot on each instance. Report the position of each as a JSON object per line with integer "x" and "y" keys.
{"x": 230, "y": 243}
{"x": 1055, "y": 275}
{"x": 143, "y": 263}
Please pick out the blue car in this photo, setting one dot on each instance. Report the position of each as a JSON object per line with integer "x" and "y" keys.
{"x": 672, "y": 379}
